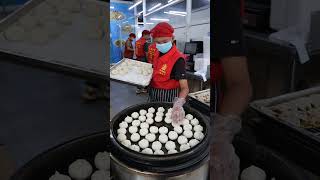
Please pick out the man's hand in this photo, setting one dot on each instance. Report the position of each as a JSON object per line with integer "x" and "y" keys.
{"x": 178, "y": 113}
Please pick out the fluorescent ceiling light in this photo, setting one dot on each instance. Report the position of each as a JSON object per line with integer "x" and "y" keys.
{"x": 157, "y": 5}
{"x": 111, "y": 7}
{"x": 162, "y": 7}
{"x": 140, "y": 12}
{"x": 174, "y": 14}
{"x": 170, "y": 1}
{"x": 136, "y": 4}
{"x": 178, "y": 12}
{"x": 146, "y": 23}
{"x": 159, "y": 19}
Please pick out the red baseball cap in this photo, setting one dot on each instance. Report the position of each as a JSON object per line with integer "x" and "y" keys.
{"x": 162, "y": 29}
{"x": 145, "y": 32}
{"x": 132, "y": 35}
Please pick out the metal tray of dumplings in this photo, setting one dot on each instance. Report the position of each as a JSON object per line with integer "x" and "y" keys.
{"x": 198, "y": 104}
{"x": 139, "y": 80}
{"x": 71, "y": 51}
{"x": 301, "y": 143}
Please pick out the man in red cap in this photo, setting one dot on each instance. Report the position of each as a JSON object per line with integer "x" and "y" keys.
{"x": 128, "y": 48}
{"x": 141, "y": 53}
{"x": 169, "y": 83}
{"x": 140, "y": 45}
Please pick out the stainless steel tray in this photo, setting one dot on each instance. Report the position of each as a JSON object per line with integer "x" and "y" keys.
{"x": 69, "y": 50}
{"x": 139, "y": 81}
{"x": 263, "y": 107}
{"x": 195, "y": 94}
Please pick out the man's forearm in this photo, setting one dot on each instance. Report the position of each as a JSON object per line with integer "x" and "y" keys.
{"x": 236, "y": 99}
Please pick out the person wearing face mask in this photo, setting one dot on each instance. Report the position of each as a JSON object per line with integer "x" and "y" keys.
{"x": 141, "y": 54}
{"x": 168, "y": 83}
{"x": 128, "y": 48}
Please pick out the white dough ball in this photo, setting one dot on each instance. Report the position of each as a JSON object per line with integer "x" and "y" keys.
{"x": 193, "y": 142}
{"x": 135, "y": 115}
{"x": 128, "y": 119}
{"x": 154, "y": 129}
{"x": 58, "y": 176}
{"x": 135, "y": 137}
{"x": 136, "y": 123}
{"x": 194, "y": 121}
{"x": 121, "y": 131}
{"x": 149, "y": 121}
{"x": 159, "y": 114}
{"x": 143, "y": 112}
{"x": 168, "y": 114}
{"x": 168, "y": 120}
{"x": 102, "y": 161}
{"x": 172, "y": 151}
{"x": 170, "y": 145}
{"x": 189, "y": 116}
{"x": 126, "y": 143}
{"x": 185, "y": 121}
{"x": 188, "y": 134}
{"x": 163, "y": 130}
{"x": 173, "y": 135}
{"x": 170, "y": 110}
{"x": 184, "y": 147}
{"x": 151, "y": 137}
{"x": 151, "y": 110}
{"x": 123, "y": 124}
{"x": 156, "y": 145}
{"x": 143, "y": 132}
{"x": 158, "y": 152}
{"x": 133, "y": 129}
{"x": 182, "y": 140}
{"x": 198, "y": 135}
{"x": 198, "y": 128}
{"x": 158, "y": 118}
{"x": 253, "y": 172}
{"x": 178, "y": 129}
{"x": 143, "y": 143}
{"x": 100, "y": 175}
{"x": 149, "y": 115}
{"x": 163, "y": 138}
{"x": 142, "y": 118}
{"x": 147, "y": 151}
{"x": 135, "y": 148}
{"x": 80, "y": 169}
{"x": 161, "y": 109}
{"x": 187, "y": 127}
{"x": 121, "y": 137}
{"x": 144, "y": 125}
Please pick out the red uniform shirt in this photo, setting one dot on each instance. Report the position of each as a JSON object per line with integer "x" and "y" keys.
{"x": 140, "y": 48}
{"x": 127, "y": 53}
{"x": 162, "y": 67}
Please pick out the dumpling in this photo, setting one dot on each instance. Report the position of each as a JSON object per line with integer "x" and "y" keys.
{"x": 135, "y": 137}
{"x": 121, "y": 137}
{"x": 135, "y": 148}
{"x": 80, "y": 169}
{"x": 188, "y": 134}
{"x": 128, "y": 119}
{"x": 123, "y": 124}
{"x": 126, "y": 143}
{"x": 198, "y": 135}
{"x": 182, "y": 140}
{"x": 173, "y": 135}
{"x": 158, "y": 118}
{"x": 58, "y": 176}
{"x": 151, "y": 110}
{"x": 189, "y": 117}
{"x": 144, "y": 125}
{"x": 193, "y": 142}
{"x": 136, "y": 123}
{"x": 143, "y": 143}
{"x": 156, "y": 145}
{"x": 150, "y": 137}
{"x": 161, "y": 109}
{"x": 170, "y": 145}
{"x": 147, "y": 151}
{"x": 100, "y": 175}
{"x": 121, "y": 131}
{"x": 133, "y": 129}
{"x": 173, "y": 151}
{"x": 143, "y": 112}
{"x": 163, "y": 130}
{"x": 149, "y": 121}
{"x": 168, "y": 120}
{"x": 184, "y": 147}
{"x": 142, "y": 118}
{"x": 102, "y": 161}
{"x": 178, "y": 129}
{"x": 143, "y": 132}
{"x": 198, "y": 128}
{"x": 158, "y": 152}
{"x": 187, "y": 127}
{"x": 159, "y": 114}
{"x": 154, "y": 129}
{"x": 149, "y": 115}
{"x": 163, "y": 138}
{"x": 135, "y": 115}
{"x": 194, "y": 121}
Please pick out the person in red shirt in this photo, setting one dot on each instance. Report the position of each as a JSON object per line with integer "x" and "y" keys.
{"x": 140, "y": 46}
{"x": 168, "y": 83}
{"x": 128, "y": 47}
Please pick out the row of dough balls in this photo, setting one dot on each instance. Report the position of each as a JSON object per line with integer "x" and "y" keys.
{"x": 141, "y": 69}
{"x": 144, "y": 121}
{"x": 47, "y": 21}
{"x": 81, "y": 169}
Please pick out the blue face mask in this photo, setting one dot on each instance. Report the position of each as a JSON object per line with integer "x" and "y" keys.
{"x": 165, "y": 47}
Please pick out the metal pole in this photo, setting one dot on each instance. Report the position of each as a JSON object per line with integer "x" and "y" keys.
{"x": 144, "y": 9}
{"x": 188, "y": 18}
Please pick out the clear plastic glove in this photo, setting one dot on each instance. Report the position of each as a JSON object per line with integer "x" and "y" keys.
{"x": 178, "y": 113}
{"x": 224, "y": 163}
